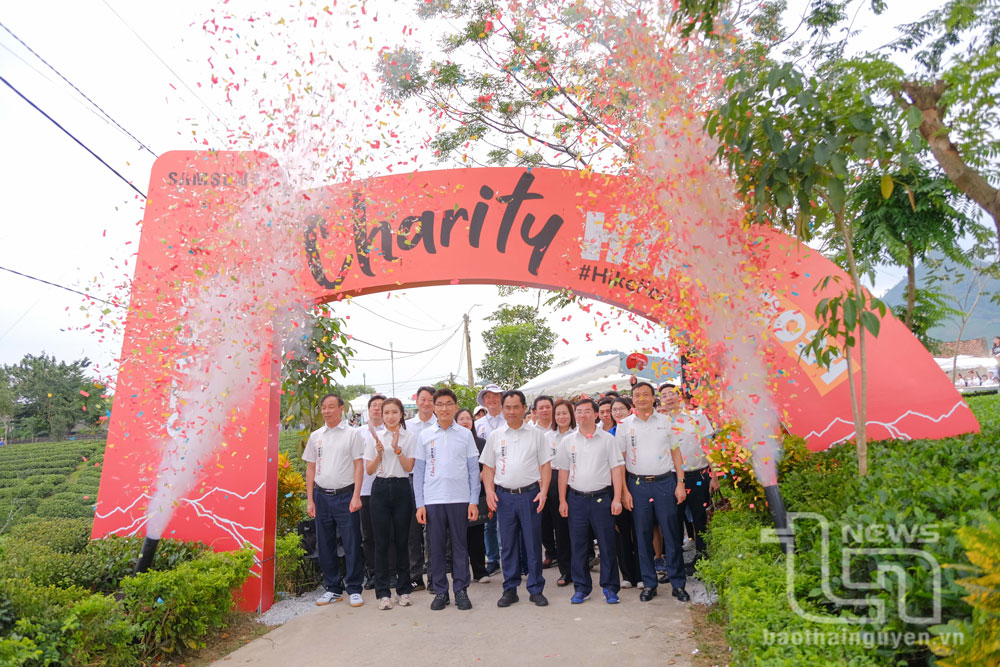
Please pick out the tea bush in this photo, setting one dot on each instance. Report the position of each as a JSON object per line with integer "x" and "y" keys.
{"x": 947, "y": 488}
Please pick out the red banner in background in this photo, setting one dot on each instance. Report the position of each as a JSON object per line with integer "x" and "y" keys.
{"x": 542, "y": 228}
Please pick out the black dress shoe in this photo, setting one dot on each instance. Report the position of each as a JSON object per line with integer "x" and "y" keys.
{"x": 440, "y": 601}
{"x": 508, "y": 598}
{"x": 539, "y": 600}
{"x": 369, "y": 583}
{"x": 681, "y": 595}
{"x": 664, "y": 578}
{"x": 462, "y": 600}
{"x": 563, "y": 581}
{"x": 647, "y": 594}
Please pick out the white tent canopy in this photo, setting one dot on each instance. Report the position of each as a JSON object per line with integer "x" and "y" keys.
{"x": 582, "y": 375}
{"x": 966, "y": 362}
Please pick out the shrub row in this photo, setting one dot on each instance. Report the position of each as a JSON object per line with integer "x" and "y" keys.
{"x": 65, "y": 600}
{"x": 942, "y": 487}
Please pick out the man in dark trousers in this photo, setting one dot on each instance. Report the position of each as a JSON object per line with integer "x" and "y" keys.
{"x": 654, "y": 489}
{"x": 591, "y": 477}
{"x": 446, "y": 487}
{"x": 334, "y": 469}
{"x": 516, "y": 473}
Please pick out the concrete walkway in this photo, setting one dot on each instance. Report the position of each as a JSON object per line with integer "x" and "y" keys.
{"x": 592, "y": 633}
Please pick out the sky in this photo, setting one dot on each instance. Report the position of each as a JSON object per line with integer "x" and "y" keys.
{"x": 67, "y": 219}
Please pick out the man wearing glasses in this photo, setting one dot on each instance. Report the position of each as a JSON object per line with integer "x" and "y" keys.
{"x": 446, "y": 487}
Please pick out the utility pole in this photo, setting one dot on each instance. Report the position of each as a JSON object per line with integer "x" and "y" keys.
{"x": 468, "y": 349}
{"x": 392, "y": 362}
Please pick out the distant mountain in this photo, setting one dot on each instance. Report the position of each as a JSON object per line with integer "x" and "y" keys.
{"x": 985, "y": 321}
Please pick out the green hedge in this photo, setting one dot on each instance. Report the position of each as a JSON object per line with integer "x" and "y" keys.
{"x": 58, "y": 604}
{"x": 943, "y": 485}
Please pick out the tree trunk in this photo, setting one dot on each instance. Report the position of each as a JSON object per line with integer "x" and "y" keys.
{"x": 911, "y": 287}
{"x": 935, "y": 132}
{"x": 857, "y": 405}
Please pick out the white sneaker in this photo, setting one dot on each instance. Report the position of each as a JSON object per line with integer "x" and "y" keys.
{"x": 356, "y": 600}
{"x": 640, "y": 585}
{"x": 404, "y": 600}
{"x": 384, "y": 603}
{"x": 626, "y": 584}
{"x": 328, "y": 597}
{"x": 485, "y": 579}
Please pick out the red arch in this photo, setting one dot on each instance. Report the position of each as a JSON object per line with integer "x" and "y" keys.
{"x": 541, "y": 228}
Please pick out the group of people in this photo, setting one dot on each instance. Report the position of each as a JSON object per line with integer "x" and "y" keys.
{"x": 447, "y": 492}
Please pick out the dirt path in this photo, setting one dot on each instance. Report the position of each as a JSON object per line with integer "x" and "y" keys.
{"x": 593, "y": 633}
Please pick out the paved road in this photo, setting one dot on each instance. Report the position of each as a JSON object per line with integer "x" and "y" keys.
{"x": 592, "y": 633}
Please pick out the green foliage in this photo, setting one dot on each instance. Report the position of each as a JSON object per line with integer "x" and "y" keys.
{"x": 288, "y": 553}
{"x": 291, "y": 496}
{"x": 466, "y": 395}
{"x": 947, "y": 486}
{"x": 175, "y": 609}
{"x": 519, "y": 346}
{"x": 50, "y": 398}
{"x": 930, "y": 310}
{"x": 982, "y": 630}
{"x": 62, "y": 475}
{"x": 308, "y": 372}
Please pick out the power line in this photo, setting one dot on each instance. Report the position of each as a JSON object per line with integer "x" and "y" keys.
{"x": 96, "y": 105}
{"x": 429, "y": 361}
{"x": 394, "y": 351}
{"x": 409, "y": 326}
{"x": 163, "y": 62}
{"x": 68, "y": 289}
{"x": 70, "y": 135}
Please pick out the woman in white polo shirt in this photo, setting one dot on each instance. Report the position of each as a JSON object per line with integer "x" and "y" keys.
{"x": 389, "y": 458}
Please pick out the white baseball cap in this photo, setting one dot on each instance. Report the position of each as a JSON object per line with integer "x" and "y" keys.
{"x": 488, "y": 389}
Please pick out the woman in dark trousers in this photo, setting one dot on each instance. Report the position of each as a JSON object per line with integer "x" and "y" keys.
{"x": 476, "y": 538}
{"x": 563, "y": 423}
{"x": 628, "y": 552}
{"x": 388, "y": 456}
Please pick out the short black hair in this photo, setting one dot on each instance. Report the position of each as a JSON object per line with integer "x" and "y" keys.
{"x": 514, "y": 392}
{"x": 375, "y": 397}
{"x": 611, "y": 394}
{"x": 643, "y": 384}
{"x": 591, "y": 401}
{"x": 340, "y": 401}
{"x": 543, "y": 397}
{"x": 431, "y": 390}
{"x": 667, "y": 385}
{"x": 444, "y": 391}
{"x": 607, "y": 400}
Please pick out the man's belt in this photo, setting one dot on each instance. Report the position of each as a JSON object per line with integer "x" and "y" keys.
{"x": 591, "y": 494}
{"x": 650, "y": 478}
{"x": 336, "y": 492}
{"x": 524, "y": 489}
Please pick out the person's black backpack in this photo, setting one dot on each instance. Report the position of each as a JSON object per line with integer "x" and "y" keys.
{"x": 308, "y": 576}
{"x": 307, "y": 531}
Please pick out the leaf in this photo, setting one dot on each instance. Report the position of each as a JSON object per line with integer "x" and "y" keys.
{"x": 835, "y": 189}
{"x": 914, "y": 117}
{"x": 783, "y": 196}
{"x": 839, "y": 164}
{"x": 887, "y": 185}
{"x": 850, "y": 314}
{"x": 871, "y": 322}
{"x": 821, "y": 153}
{"x": 860, "y": 145}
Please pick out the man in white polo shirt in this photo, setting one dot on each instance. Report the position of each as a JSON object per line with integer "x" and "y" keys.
{"x": 424, "y": 419}
{"x": 334, "y": 470}
{"x": 591, "y": 479}
{"x": 446, "y": 486}
{"x": 654, "y": 489}
{"x": 489, "y": 399}
{"x": 692, "y": 430}
{"x": 516, "y": 473}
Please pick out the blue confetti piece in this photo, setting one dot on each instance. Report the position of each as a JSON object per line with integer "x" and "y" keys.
{"x": 159, "y": 600}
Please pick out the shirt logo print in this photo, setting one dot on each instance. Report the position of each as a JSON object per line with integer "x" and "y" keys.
{"x": 634, "y": 448}
{"x": 433, "y": 458}
{"x": 503, "y": 457}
